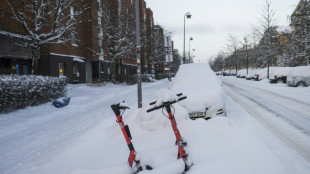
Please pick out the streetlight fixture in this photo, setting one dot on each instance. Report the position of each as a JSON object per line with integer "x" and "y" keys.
{"x": 188, "y": 16}
{"x": 189, "y": 49}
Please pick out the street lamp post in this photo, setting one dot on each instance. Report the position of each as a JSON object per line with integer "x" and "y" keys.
{"x": 189, "y": 49}
{"x": 188, "y": 16}
{"x": 137, "y": 50}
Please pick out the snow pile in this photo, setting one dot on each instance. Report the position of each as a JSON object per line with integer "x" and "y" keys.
{"x": 279, "y": 72}
{"x": 20, "y": 91}
{"x": 303, "y": 71}
{"x": 262, "y": 74}
{"x": 221, "y": 145}
{"x": 201, "y": 86}
{"x": 252, "y": 73}
{"x": 242, "y": 72}
{"x": 165, "y": 96}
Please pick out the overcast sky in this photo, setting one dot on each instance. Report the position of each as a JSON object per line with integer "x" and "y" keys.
{"x": 213, "y": 20}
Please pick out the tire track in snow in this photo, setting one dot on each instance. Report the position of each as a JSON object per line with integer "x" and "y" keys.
{"x": 298, "y": 106}
{"x": 280, "y": 109}
{"x": 288, "y": 133}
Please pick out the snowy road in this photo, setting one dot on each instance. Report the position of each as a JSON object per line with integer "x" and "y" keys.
{"x": 31, "y": 136}
{"x": 286, "y": 116}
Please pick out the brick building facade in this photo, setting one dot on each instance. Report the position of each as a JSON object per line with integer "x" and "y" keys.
{"x": 79, "y": 59}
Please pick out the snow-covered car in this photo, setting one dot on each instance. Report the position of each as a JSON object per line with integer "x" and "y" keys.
{"x": 299, "y": 76}
{"x": 241, "y": 73}
{"x": 202, "y": 88}
{"x": 251, "y": 74}
{"x": 262, "y": 74}
{"x": 229, "y": 73}
{"x": 279, "y": 75}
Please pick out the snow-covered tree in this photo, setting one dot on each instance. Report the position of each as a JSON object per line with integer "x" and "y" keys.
{"x": 100, "y": 28}
{"x": 268, "y": 41}
{"x": 233, "y": 46}
{"x": 218, "y": 64}
{"x": 300, "y": 44}
{"x": 119, "y": 33}
{"x": 46, "y": 22}
{"x": 158, "y": 48}
{"x": 176, "y": 61}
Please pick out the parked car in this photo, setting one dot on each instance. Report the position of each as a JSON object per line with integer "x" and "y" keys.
{"x": 262, "y": 74}
{"x": 205, "y": 97}
{"x": 299, "y": 76}
{"x": 251, "y": 74}
{"x": 229, "y": 73}
{"x": 241, "y": 73}
{"x": 279, "y": 75}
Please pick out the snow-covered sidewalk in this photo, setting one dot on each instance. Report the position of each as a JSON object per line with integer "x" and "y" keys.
{"x": 84, "y": 138}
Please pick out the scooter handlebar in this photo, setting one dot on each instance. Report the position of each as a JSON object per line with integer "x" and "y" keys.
{"x": 119, "y": 106}
{"x": 163, "y": 105}
{"x": 152, "y": 103}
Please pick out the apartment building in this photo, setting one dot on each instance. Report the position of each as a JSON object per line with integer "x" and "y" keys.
{"x": 87, "y": 56}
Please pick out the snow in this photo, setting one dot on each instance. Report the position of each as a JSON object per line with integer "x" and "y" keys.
{"x": 14, "y": 35}
{"x": 65, "y": 55}
{"x": 279, "y": 72}
{"x": 300, "y": 71}
{"x": 201, "y": 86}
{"x": 76, "y": 59}
{"x": 252, "y": 73}
{"x": 84, "y": 138}
{"x": 284, "y": 29}
{"x": 285, "y": 116}
{"x": 243, "y": 72}
{"x": 263, "y": 73}
{"x": 166, "y": 96}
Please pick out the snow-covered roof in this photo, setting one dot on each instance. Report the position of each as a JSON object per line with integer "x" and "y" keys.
{"x": 76, "y": 59}
{"x": 65, "y": 55}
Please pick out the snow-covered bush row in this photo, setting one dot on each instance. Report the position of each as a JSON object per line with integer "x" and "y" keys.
{"x": 17, "y": 92}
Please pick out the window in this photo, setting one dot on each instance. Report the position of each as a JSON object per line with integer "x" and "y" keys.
{"x": 61, "y": 69}
{"x": 25, "y": 69}
{"x": 125, "y": 71}
{"x": 76, "y": 73}
{"x": 108, "y": 70}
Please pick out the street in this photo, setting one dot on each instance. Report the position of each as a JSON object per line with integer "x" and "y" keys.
{"x": 286, "y": 117}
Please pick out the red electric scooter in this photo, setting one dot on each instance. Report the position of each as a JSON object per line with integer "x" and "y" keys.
{"x": 117, "y": 108}
{"x": 179, "y": 141}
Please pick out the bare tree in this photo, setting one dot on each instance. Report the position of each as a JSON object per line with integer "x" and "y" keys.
{"x": 158, "y": 48}
{"x": 267, "y": 26}
{"x": 46, "y": 22}
{"x": 246, "y": 47}
{"x": 119, "y": 34}
{"x": 233, "y": 47}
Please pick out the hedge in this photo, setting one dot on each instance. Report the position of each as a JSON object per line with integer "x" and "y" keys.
{"x": 17, "y": 91}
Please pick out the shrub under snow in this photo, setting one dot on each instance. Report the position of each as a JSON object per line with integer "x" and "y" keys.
{"x": 17, "y": 92}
